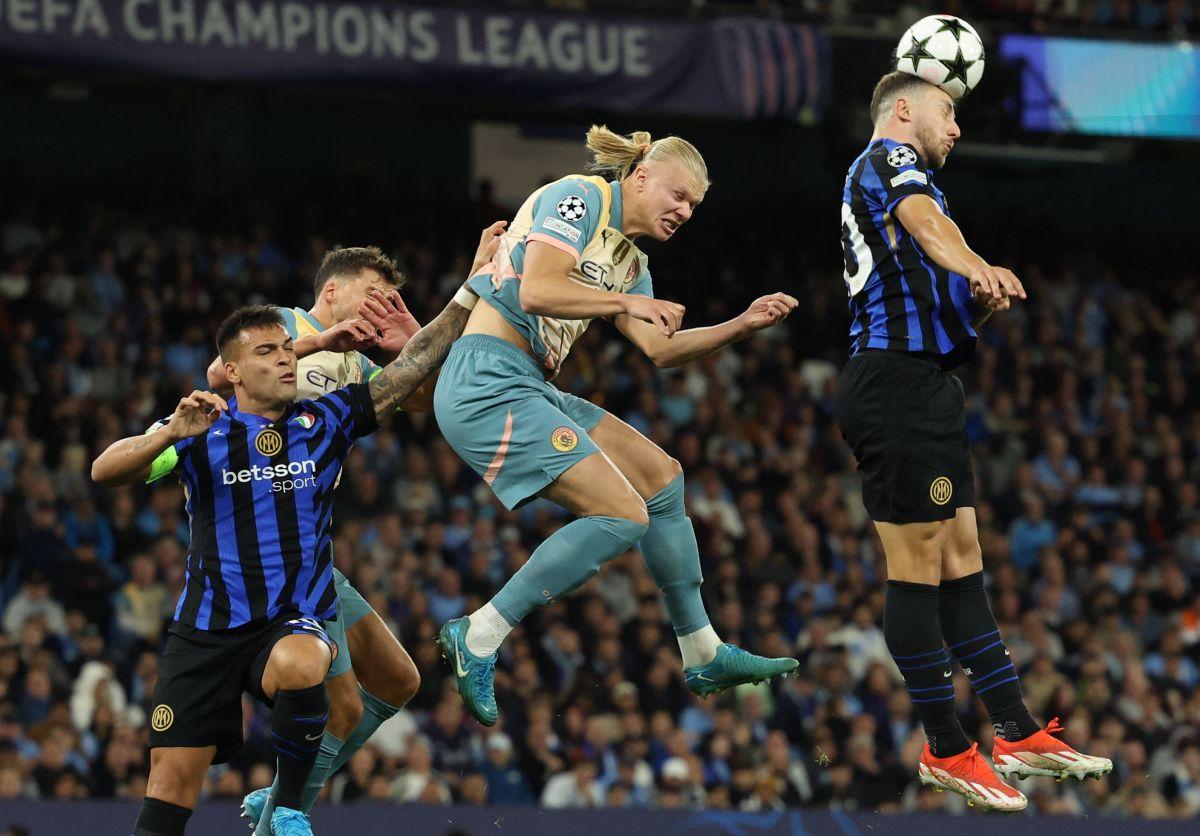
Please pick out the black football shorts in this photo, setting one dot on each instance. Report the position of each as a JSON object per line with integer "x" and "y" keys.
{"x": 202, "y": 674}
{"x": 903, "y": 417}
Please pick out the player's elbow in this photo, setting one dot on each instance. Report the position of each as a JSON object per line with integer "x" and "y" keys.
{"x": 530, "y": 297}
{"x": 217, "y": 381}
{"x": 102, "y": 473}
{"x": 664, "y": 358}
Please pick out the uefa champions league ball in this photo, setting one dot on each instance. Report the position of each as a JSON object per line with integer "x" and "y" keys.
{"x": 944, "y": 50}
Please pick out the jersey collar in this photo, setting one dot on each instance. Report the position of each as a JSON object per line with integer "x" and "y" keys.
{"x": 615, "y": 215}
{"x": 310, "y": 319}
{"x": 251, "y": 418}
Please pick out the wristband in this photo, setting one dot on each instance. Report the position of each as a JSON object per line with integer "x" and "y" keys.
{"x": 465, "y": 297}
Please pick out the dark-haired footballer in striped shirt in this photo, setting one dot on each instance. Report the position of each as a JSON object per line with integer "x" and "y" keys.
{"x": 916, "y": 292}
{"x": 259, "y": 473}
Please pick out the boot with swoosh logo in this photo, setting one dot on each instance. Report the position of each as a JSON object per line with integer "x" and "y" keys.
{"x": 475, "y": 675}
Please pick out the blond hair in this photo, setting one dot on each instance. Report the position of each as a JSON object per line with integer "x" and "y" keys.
{"x": 620, "y": 155}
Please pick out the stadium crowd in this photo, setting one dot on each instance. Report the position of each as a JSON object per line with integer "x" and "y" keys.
{"x": 1083, "y": 411}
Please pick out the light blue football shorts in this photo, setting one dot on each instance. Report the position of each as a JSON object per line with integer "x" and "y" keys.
{"x": 513, "y": 428}
{"x": 352, "y": 607}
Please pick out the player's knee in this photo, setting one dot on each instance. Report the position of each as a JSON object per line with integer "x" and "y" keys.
{"x": 634, "y": 510}
{"x": 669, "y": 470}
{"x": 406, "y": 684}
{"x": 300, "y": 662}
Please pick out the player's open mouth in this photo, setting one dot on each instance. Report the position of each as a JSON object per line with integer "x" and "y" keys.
{"x": 670, "y": 226}
{"x": 290, "y": 377}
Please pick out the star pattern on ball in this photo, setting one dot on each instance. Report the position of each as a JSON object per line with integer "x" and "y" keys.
{"x": 957, "y": 68}
{"x": 917, "y": 52}
{"x": 952, "y": 24}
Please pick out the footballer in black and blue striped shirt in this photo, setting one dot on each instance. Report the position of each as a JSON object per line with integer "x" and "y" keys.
{"x": 917, "y": 293}
{"x": 258, "y": 473}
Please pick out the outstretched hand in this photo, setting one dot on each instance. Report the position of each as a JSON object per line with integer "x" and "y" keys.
{"x": 350, "y": 335}
{"x": 768, "y": 310}
{"x": 489, "y": 242}
{"x": 195, "y": 414}
{"x": 390, "y": 318}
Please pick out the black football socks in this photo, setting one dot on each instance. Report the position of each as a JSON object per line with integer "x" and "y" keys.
{"x": 971, "y": 631}
{"x": 297, "y": 725}
{"x": 161, "y": 818}
{"x": 913, "y": 632}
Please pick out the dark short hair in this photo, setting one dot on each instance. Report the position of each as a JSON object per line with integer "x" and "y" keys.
{"x": 892, "y": 86}
{"x": 251, "y": 316}
{"x": 354, "y": 260}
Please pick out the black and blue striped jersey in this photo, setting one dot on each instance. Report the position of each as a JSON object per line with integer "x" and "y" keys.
{"x": 900, "y": 299}
{"x": 260, "y": 503}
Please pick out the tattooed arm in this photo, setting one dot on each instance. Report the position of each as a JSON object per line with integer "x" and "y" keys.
{"x": 129, "y": 460}
{"x": 420, "y": 358}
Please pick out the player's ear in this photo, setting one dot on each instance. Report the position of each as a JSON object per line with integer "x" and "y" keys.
{"x": 231, "y": 371}
{"x": 329, "y": 290}
{"x": 640, "y": 175}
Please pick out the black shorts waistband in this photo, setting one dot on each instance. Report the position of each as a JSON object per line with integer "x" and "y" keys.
{"x": 927, "y": 357}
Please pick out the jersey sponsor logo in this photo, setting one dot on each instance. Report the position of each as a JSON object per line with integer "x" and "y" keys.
{"x": 566, "y": 230}
{"x": 162, "y": 718}
{"x": 269, "y": 442}
{"x": 290, "y": 475}
{"x": 595, "y": 272}
{"x": 564, "y": 439}
{"x": 901, "y": 155}
{"x": 941, "y": 490}
{"x": 571, "y": 208}
{"x": 910, "y": 176}
{"x": 321, "y": 380}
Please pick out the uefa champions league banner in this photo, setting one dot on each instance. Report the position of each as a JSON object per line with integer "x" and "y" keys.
{"x": 741, "y": 68}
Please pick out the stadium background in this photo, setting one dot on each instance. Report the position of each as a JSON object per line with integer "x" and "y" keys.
{"x": 138, "y": 207}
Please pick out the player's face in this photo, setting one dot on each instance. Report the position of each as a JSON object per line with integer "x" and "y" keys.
{"x": 935, "y": 126}
{"x": 668, "y": 199}
{"x": 351, "y": 290}
{"x": 265, "y": 364}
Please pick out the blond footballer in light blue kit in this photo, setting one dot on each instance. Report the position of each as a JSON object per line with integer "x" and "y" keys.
{"x": 567, "y": 258}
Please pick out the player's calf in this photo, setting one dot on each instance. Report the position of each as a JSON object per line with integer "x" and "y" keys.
{"x": 176, "y": 776}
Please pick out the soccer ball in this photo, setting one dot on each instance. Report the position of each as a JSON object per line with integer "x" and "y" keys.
{"x": 944, "y": 50}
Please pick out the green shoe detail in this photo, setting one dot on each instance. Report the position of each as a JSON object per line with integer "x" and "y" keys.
{"x": 474, "y": 674}
{"x": 734, "y": 666}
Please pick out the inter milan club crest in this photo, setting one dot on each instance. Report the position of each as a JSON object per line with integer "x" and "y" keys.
{"x": 901, "y": 156}
{"x": 162, "y": 718}
{"x": 572, "y": 208}
{"x": 269, "y": 442}
{"x": 941, "y": 490}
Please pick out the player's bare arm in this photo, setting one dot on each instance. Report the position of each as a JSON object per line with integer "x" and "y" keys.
{"x": 128, "y": 460}
{"x": 351, "y": 335}
{"x": 687, "y": 346}
{"x": 394, "y": 323}
{"x": 943, "y": 241}
{"x": 421, "y": 357}
{"x": 547, "y": 290}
